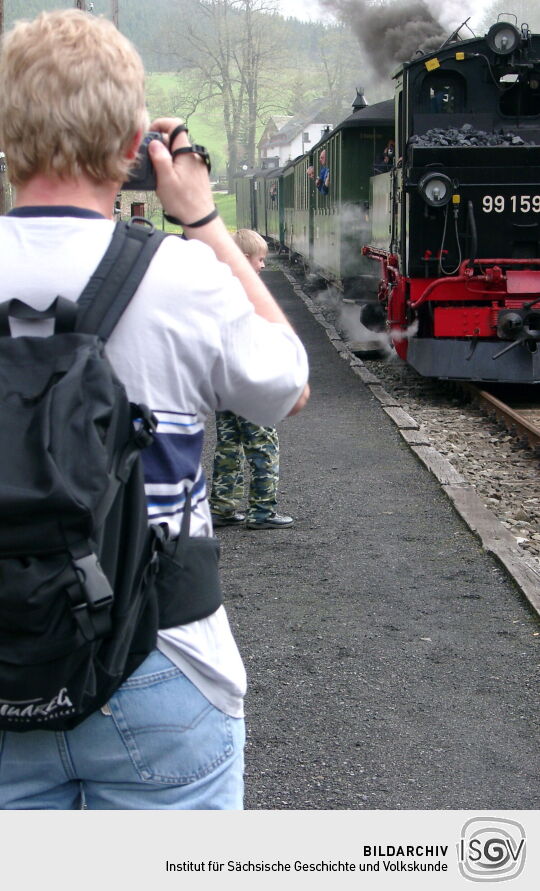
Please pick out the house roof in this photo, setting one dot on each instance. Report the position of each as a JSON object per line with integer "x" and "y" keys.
{"x": 281, "y": 119}
{"x": 273, "y": 125}
{"x": 295, "y": 124}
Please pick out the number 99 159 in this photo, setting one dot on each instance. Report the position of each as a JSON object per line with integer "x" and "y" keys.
{"x": 511, "y": 203}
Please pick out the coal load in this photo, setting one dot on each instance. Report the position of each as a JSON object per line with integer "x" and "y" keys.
{"x": 466, "y": 136}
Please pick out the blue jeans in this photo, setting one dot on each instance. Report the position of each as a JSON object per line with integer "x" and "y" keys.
{"x": 163, "y": 746}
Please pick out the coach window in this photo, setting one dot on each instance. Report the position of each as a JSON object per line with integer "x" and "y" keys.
{"x": 335, "y": 178}
{"x": 271, "y": 196}
{"x": 299, "y": 191}
{"x": 443, "y": 93}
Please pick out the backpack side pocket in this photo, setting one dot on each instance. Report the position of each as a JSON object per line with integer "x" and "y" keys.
{"x": 187, "y": 581}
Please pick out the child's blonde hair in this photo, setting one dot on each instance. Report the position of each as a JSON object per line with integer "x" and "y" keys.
{"x": 250, "y": 242}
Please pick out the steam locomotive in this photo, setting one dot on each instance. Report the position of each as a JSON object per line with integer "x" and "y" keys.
{"x": 441, "y": 187}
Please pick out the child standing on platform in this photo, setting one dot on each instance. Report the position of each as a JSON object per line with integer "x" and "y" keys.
{"x": 238, "y": 439}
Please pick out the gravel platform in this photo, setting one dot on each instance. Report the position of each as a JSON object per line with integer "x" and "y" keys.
{"x": 392, "y": 663}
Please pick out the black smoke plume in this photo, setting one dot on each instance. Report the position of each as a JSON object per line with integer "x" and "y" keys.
{"x": 389, "y": 33}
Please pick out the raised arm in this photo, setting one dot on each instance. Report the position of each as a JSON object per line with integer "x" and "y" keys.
{"x": 183, "y": 187}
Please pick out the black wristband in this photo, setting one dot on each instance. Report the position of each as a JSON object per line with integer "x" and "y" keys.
{"x": 181, "y": 128}
{"x": 202, "y": 222}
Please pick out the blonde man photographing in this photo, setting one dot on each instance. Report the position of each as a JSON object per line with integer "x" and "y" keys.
{"x": 200, "y": 334}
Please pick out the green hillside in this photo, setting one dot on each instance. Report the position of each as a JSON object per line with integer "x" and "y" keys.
{"x": 299, "y": 61}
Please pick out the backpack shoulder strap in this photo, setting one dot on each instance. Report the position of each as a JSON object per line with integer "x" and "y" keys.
{"x": 117, "y": 276}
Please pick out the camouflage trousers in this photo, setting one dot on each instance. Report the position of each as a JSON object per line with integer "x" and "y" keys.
{"x": 238, "y": 439}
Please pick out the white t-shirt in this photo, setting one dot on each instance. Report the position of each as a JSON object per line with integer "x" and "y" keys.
{"x": 188, "y": 344}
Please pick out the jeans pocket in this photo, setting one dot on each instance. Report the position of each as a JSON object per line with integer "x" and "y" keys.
{"x": 171, "y": 731}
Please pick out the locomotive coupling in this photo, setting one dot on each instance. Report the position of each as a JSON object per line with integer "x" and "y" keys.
{"x": 516, "y": 324}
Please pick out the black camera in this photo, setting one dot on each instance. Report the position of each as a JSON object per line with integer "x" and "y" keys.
{"x": 143, "y": 176}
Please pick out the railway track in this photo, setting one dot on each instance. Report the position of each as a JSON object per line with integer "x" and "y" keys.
{"x": 518, "y": 411}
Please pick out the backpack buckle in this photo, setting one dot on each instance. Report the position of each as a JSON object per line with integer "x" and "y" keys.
{"x": 90, "y": 611}
{"x": 97, "y": 590}
{"x": 146, "y": 426}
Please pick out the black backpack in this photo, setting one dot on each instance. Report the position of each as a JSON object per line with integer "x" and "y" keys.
{"x": 85, "y": 582}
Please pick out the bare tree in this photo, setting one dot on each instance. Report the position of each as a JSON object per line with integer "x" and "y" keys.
{"x": 225, "y": 52}
{"x": 342, "y": 67}
{"x": 335, "y": 63}
{"x": 255, "y": 56}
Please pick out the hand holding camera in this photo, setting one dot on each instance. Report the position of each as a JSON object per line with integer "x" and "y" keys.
{"x": 142, "y": 177}
{"x": 177, "y": 171}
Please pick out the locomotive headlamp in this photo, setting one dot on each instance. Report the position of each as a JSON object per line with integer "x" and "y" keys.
{"x": 435, "y": 188}
{"x": 503, "y": 38}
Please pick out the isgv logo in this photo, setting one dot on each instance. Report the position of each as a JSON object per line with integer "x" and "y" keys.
{"x": 491, "y": 849}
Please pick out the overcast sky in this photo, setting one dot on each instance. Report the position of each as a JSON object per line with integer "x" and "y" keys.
{"x": 301, "y": 9}
{"x": 449, "y": 12}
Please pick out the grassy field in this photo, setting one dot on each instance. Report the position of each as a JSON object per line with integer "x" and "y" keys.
{"x": 226, "y": 204}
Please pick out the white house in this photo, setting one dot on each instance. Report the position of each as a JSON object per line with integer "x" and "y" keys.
{"x": 287, "y": 136}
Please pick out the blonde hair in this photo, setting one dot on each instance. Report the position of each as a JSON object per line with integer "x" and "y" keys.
{"x": 250, "y": 242}
{"x": 71, "y": 97}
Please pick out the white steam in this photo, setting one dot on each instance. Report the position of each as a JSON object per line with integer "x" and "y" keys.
{"x": 451, "y": 13}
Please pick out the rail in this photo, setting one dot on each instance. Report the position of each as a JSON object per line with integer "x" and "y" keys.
{"x": 524, "y": 419}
